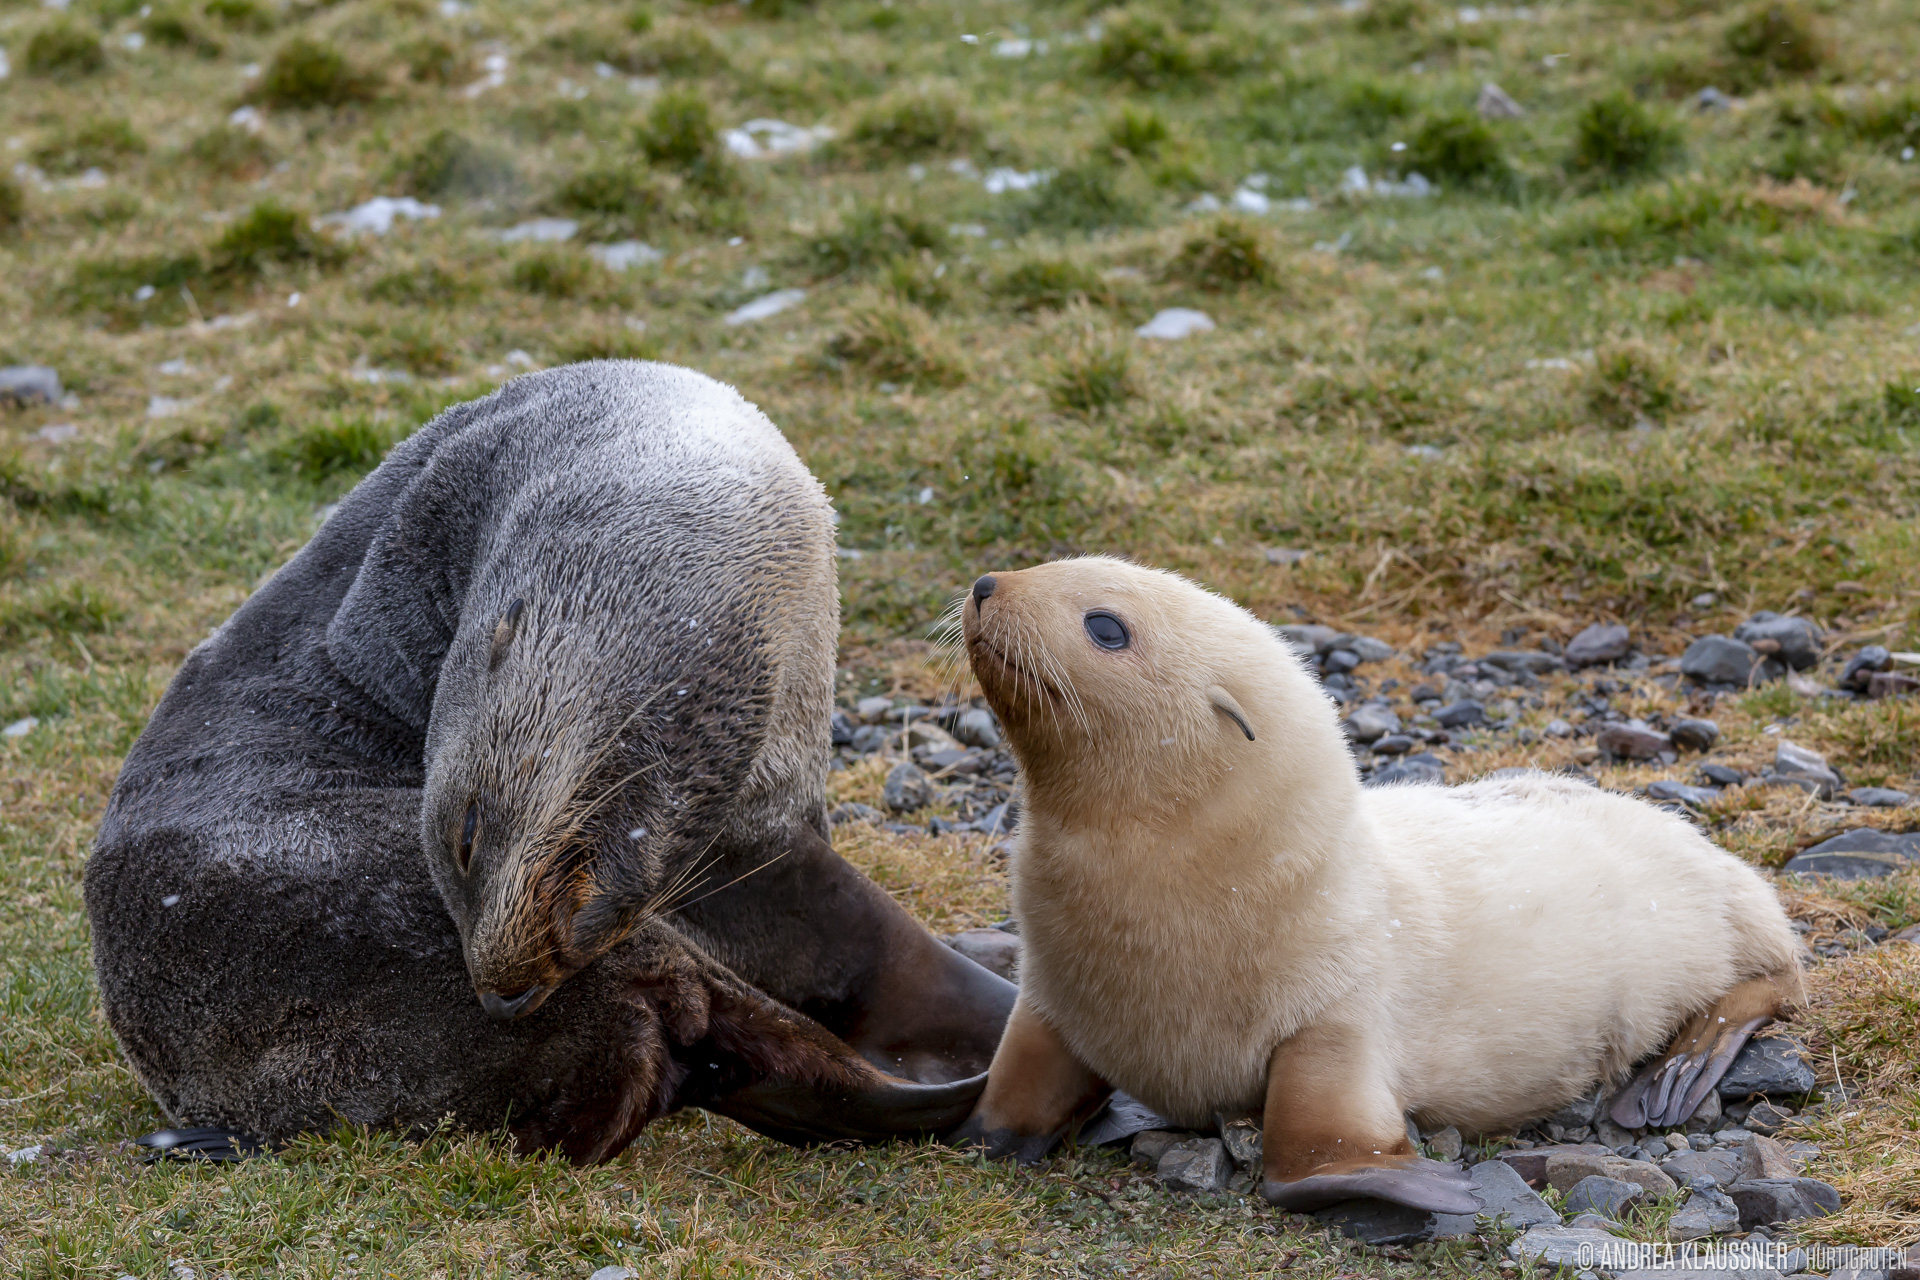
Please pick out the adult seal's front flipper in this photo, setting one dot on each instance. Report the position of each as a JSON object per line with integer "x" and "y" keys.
{"x": 805, "y": 1114}
{"x": 220, "y": 1145}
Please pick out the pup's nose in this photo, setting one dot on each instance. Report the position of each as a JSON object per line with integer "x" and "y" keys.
{"x": 506, "y": 1008}
{"x": 982, "y": 588}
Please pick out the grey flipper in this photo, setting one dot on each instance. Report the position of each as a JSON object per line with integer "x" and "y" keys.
{"x": 1416, "y": 1182}
{"x": 1123, "y": 1116}
{"x": 1668, "y": 1090}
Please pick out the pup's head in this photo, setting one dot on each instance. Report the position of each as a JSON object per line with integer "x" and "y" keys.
{"x": 566, "y": 767}
{"x": 1128, "y": 689}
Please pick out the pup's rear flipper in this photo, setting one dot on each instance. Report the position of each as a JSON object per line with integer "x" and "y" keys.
{"x": 202, "y": 1144}
{"x": 1669, "y": 1089}
{"x": 1413, "y": 1181}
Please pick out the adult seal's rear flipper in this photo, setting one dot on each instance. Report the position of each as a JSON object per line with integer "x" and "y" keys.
{"x": 219, "y": 1145}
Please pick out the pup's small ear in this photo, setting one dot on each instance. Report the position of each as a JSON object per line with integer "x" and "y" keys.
{"x": 503, "y": 632}
{"x": 1224, "y": 701}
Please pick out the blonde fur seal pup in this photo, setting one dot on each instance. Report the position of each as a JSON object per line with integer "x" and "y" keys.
{"x": 1216, "y": 916}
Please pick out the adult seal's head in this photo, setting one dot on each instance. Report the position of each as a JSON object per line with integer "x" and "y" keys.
{"x": 637, "y": 623}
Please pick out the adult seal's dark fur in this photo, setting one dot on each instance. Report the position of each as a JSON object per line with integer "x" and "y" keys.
{"x": 504, "y": 799}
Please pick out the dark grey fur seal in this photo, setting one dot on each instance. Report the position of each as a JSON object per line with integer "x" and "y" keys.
{"x": 539, "y": 715}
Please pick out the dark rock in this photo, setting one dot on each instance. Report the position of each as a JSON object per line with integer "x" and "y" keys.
{"x": 1766, "y": 1119}
{"x": 1506, "y": 1200}
{"x": 1378, "y": 1222}
{"x": 1421, "y": 767}
{"x": 1394, "y": 744}
{"x": 1552, "y": 1248}
{"x": 1793, "y": 761}
{"x": 1892, "y": 684}
{"x": 977, "y": 727}
{"x": 1369, "y": 723}
{"x": 1763, "y": 1201}
{"x": 1567, "y": 1169}
{"x": 873, "y": 710}
{"x": 1694, "y": 735}
{"x": 1309, "y": 638}
{"x": 1243, "y": 1139}
{"x": 1365, "y": 648}
{"x": 1149, "y": 1145}
{"x": 992, "y": 949}
{"x": 1632, "y": 742}
{"x": 1723, "y": 1166}
{"x": 1196, "y": 1164}
{"x": 1772, "y": 1065}
{"x": 1608, "y": 1196}
{"x": 1707, "y": 1212}
{"x": 1762, "y": 1157}
{"x": 1796, "y": 641}
{"x": 1860, "y": 854}
{"x": 869, "y": 738}
{"x": 1460, "y": 714}
{"x": 1721, "y": 775}
{"x": 854, "y": 811}
{"x": 1599, "y": 643}
{"x": 1340, "y": 661}
{"x": 840, "y": 729}
{"x": 1532, "y": 662}
{"x": 1719, "y": 660}
{"x": 1694, "y": 797}
{"x": 25, "y": 384}
{"x": 908, "y": 789}
{"x": 1531, "y": 1164}
{"x": 1858, "y": 672}
{"x": 1871, "y": 797}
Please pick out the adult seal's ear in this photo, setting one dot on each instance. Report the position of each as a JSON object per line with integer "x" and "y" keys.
{"x": 1225, "y": 702}
{"x": 504, "y": 632}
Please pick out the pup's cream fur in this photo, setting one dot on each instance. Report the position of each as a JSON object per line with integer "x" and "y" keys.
{"x": 1190, "y": 901}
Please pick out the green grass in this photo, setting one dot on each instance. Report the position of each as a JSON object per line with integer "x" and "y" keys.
{"x": 1660, "y": 351}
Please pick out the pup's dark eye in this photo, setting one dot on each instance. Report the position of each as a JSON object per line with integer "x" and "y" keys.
{"x": 1107, "y": 631}
{"x": 469, "y": 827}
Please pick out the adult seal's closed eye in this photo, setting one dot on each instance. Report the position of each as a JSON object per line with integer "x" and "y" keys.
{"x": 503, "y": 800}
{"x": 1216, "y": 917}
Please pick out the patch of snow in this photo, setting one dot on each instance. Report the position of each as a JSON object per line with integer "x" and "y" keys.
{"x": 167, "y": 406}
{"x": 1019, "y": 48}
{"x": 539, "y": 230}
{"x": 624, "y": 255}
{"x": 248, "y": 118}
{"x": 1175, "y": 323}
{"x": 1205, "y": 202}
{"x": 1247, "y": 200}
{"x": 495, "y": 67}
{"x": 26, "y": 1155}
{"x": 1001, "y": 181}
{"x": 377, "y": 215}
{"x": 133, "y": 42}
{"x": 176, "y": 368}
{"x": 764, "y": 139}
{"x": 771, "y": 304}
{"x": 55, "y": 433}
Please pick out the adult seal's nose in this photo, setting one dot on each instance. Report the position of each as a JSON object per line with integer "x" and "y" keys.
{"x": 982, "y": 588}
{"x": 506, "y": 1008}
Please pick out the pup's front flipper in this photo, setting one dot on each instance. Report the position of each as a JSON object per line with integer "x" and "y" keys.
{"x": 1335, "y": 1131}
{"x": 1035, "y": 1090}
{"x": 1669, "y": 1089}
{"x": 1410, "y": 1180}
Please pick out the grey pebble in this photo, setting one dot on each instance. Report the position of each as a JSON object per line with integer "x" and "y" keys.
{"x": 30, "y": 384}
{"x": 908, "y": 788}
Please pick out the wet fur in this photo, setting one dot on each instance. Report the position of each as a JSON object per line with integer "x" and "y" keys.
{"x": 300, "y": 788}
{"x": 1190, "y": 900}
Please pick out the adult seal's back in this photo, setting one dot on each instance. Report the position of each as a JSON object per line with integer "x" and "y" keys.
{"x": 503, "y": 800}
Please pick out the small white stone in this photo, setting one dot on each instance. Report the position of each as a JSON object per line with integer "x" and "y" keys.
{"x": 771, "y": 304}
{"x": 539, "y": 231}
{"x": 1174, "y": 323}
{"x": 624, "y": 255}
